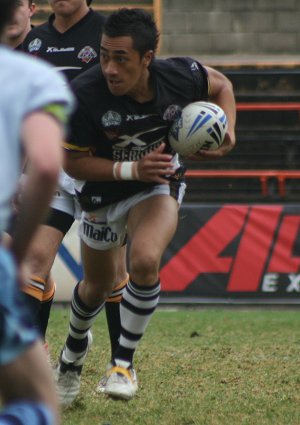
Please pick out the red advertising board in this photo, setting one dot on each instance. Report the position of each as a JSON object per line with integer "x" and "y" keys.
{"x": 237, "y": 251}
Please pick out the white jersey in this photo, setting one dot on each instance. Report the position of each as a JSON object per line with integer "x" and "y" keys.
{"x": 27, "y": 84}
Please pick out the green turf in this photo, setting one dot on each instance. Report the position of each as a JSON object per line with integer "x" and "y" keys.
{"x": 206, "y": 366}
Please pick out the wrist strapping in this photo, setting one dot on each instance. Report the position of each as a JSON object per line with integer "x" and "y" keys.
{"x": 125, "y": 170}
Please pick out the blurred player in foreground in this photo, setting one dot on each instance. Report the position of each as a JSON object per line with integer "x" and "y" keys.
{"x": 33, "y": 113}
{"x": 129, "y": 180}
{"x": 74, "y": 30}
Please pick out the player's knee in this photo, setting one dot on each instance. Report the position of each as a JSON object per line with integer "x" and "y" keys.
{"x": 144, "y": 268}
{"x": 95, "y": 291}
{"x": 38, "y": 262}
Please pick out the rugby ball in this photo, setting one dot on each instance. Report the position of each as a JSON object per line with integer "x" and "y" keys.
{"x": 201, "y": 125}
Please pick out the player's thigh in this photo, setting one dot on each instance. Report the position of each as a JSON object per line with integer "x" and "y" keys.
{"x": 152, "y": 224}
{"x": 100, "y": 266}
{"x": 58, "y": 222}
{"x": 43, "y": 250}
{"x": 122, "y": 264}
{"x": 51, "y": 233}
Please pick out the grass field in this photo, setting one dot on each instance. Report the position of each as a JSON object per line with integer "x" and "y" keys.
{"x": 197, "y": 367}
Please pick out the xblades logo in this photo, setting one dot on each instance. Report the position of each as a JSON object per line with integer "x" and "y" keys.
{"x": 59, "y": 49}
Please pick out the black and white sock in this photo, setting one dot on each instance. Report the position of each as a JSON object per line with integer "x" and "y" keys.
{"x": 81, "y": 320}
{"x": 137, "y": 307}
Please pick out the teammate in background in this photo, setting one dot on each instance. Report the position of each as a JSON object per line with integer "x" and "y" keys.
{"x": 129, "y": 180}
{"x": 20, "y": 26}
{"x": 70, "y": 40}
{"x": 32, "y": 125}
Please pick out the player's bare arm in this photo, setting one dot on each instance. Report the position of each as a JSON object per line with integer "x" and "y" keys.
{"x": 221, "y": 93}
{"x": 151, "y": 168}
{"x": 42, "y": 138}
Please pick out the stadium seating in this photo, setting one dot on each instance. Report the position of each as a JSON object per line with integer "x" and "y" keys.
{"x": 264, "y": 166}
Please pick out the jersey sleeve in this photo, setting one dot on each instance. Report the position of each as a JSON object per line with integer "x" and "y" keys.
{"x": 49, "y": 91}
{"x": 58, "y": 111}
{"x": 82, "y": 135}
{"x": 180, "y": 78}
{"x": 199, "y": 76}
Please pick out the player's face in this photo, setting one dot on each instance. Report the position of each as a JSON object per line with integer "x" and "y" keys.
{"x": 20, "y": 23}
{"x": 125, "y": 71}
{"x": 67, "y": 7}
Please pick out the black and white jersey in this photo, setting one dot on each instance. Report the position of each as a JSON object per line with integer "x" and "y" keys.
{"x": 73, "y": 51}
{"x": 121, "y": 129}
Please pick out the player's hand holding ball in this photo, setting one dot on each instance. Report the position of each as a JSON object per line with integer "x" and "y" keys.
{"x": 154, "y": 166}
{"x": 201, "y": 132}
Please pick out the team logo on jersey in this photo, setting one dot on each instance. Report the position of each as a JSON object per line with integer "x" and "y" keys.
{"x": 96, "y": 200}
{"x": 87, "y": 54}
{"x": 130, "y": 141}
{"x": 111, "y": 119}
{"x": 172, "y": 112}
{"x": 132, "y": 148}
{"x": 194, "y": 66}
{"x": 34, "y": 45}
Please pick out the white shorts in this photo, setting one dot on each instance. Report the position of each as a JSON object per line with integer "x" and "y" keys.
{"x": 66, "y": 202}
{"x": 64, "y": 198}
{"x": 106, "y": 227}
{"x": 66, "y": 182}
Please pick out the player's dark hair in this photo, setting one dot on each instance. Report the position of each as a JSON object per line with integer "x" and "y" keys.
{"x": 7, "y": 8}
{"x": 88, "y": 2}
{"x": 135, "y": 23}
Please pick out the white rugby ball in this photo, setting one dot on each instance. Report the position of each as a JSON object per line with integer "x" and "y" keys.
{"x": 202, "y": 125}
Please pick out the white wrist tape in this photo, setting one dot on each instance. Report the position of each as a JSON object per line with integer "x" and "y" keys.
{"x": 126, "y": 170}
